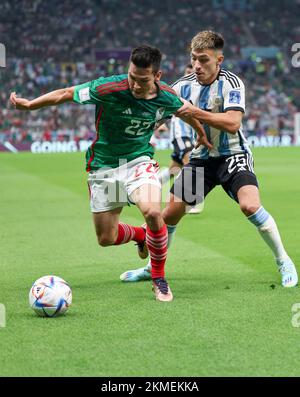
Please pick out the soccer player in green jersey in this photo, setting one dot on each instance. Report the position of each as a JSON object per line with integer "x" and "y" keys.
{"x": 119, "y": 161}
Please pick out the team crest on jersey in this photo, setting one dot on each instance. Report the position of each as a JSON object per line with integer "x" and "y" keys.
{"x": 159, "y": 114}
{"x": 234, "y": 97}
{"x": 218, "y": 101}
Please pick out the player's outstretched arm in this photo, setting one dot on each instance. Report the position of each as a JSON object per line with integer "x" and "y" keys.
{"x": 50, "y": 99}
{"x": 229, "y": 121}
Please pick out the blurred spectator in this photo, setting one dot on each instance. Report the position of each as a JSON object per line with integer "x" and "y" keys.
{"x": 54, "y": 45}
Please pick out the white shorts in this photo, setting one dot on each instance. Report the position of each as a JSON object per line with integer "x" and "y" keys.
{"x": 112, "y": 188}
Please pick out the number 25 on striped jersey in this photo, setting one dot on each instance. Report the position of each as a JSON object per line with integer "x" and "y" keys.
{"x": 138, "y": 127}
{"x": 236, "y": 161}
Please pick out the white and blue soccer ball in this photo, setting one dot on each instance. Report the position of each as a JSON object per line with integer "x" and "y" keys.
{"x": 50, "y": 296}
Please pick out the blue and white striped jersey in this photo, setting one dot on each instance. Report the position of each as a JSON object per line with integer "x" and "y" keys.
{"x": 227, "y": 92}
{"x": 179, "y": 129}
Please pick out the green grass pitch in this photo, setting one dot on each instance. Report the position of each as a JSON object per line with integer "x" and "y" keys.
{"x": 230, "y": 316}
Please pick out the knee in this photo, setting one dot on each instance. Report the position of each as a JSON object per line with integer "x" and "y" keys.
{"x": 152, "y": 215}
{"x": 249, "y": 208}
{"x": 105, "y": 240}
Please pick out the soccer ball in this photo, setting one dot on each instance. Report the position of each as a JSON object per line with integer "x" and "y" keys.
{"x": 50, "y": 296}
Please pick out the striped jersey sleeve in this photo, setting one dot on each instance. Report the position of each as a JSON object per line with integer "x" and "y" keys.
{"x": 176, "y": 88}
{"x": 182, "y": 86}
{"x": 233, "y": 92}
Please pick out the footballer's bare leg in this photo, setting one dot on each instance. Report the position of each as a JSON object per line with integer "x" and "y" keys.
{"x": 110, "y": 231}
{"x": 249, "y": 201}
{"x": 174, "y": 210}
{"x": 148, "y": 199}
{"x": 106, "y": 226}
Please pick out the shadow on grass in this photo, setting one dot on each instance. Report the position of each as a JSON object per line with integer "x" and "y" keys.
{"x": 61, "y": 317}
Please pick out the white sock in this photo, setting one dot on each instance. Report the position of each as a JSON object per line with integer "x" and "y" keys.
{"x": 171, "y": 232}
{"x": 267, "y": 228}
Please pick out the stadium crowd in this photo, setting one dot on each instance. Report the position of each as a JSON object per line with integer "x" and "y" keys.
{"x": 55, "y": 45}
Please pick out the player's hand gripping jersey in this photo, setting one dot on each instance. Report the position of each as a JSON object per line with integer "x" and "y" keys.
{"x": 227, "y": 92}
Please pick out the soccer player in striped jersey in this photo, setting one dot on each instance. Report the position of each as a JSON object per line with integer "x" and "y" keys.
{"x": 220, "y": 99}
{"x": 182, "y": 137}
{"x": 119, "y": 161}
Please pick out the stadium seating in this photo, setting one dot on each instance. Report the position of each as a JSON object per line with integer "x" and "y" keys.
{"x": 54, "y": 45}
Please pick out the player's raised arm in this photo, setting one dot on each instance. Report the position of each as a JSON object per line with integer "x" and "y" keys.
{"x": 52, "y": 98}
{"x": 188, "y": 117}
{"x": 229, "y": 121}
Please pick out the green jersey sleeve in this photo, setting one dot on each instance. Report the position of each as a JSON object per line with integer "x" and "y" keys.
{"x": 89, "y": 93}
{"x": 175, "y": 104}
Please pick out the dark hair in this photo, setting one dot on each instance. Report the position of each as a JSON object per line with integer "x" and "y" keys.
{"x": 145, "y": 56}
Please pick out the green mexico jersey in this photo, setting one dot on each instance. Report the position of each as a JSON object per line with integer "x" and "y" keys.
{"x": 124, "y": 124}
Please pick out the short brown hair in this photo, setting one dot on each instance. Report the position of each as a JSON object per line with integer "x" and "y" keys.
{"x": 207, "y": 39}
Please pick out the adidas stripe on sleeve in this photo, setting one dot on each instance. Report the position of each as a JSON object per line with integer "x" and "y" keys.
{"x": 233, "y": 92}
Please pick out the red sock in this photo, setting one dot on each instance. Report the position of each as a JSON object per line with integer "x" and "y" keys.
{"x": 127, "y": 233}
{"x": 157, "y": 246}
